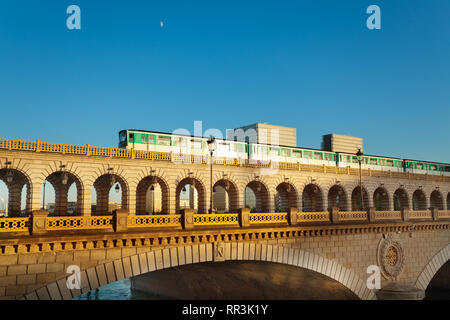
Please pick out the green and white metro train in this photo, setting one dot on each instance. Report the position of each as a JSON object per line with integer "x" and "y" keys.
{"x": 185, "y": 144}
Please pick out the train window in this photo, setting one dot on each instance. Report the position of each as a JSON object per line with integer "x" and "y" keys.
{"x": 122, "y": 136}
{"x": 163, "y": 141}
{"x": 447, "y": 169}
{"x": 285, "y": 152}
{"x": 131, "y": 137}
{"x": 433, "y": 167}
{"x": 381, "y": 162}
{"x": 223, "y": 146}
{"x": 329, "y": 156}
{"x": 296, "y": 153}
{"x": 373, "y": 161}
{"x": 240, "y": 147}
{"x": 318, "y": 156}
{"x": 420, "y": 166}
{"x": 390, "y": 163}
{"x": 308, "y": 154}
{"x": 354, "y": 160}
{"x": 144, "y": 138}
{"x": 196, "y": 144}
{"x": 274, "y": 151}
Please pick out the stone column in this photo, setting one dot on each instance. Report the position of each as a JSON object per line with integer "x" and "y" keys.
{"x": 434, "y": 213}
{"x": 131, "y": 201}
{"x": 334, "y": 215}
{"x": 396, "y": 291}
{"x": 371, "y": 214}
{"x": 120, "y": 220}
{"x": 35, "y": 193}
{"x": 292, "y": 216}
{"x": 244, "y": 217}
{"x": 39, "y": 222}
{"x": 85, "y": 202}
{"x": 405, "y": 214}
{"x": 188, "y": 218}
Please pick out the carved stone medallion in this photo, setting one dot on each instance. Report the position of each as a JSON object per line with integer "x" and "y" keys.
{"x": 391, "y": 257}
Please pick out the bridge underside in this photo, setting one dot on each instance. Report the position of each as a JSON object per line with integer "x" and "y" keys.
{"x": 240, "y": 280}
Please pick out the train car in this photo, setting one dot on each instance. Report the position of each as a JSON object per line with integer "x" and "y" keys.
{"x": 371, "y": 162}
{"x": 242, "y": 151}
{"x": 179, "y": 144}
{"x": 422, "y": 167}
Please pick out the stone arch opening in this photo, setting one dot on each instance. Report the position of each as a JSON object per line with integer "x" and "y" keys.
{"x": 195, "y": 192}
{"x": 436, "y": 200}
{"x": 337, "y": 198}
{"x": 159, "y": 259}
{"x": 257, "y": 197}
{"x": 400, "y": 199}
{"x": 419, "y": 200}
{"x": 312, "y": 198}
{"x": 226, "y": 196}
{"x": 18, "y": 189}
{"x": 356, "y": 199}
{"x": 152, "y": 196}
{"x": 109, "y": 187}
{"x": 436, "y": 263}
{"x": 286, "y": 197}
{"x": 448, "y": 201}
{"x": 381, "y": 199}
{"x": 65, "y": 185}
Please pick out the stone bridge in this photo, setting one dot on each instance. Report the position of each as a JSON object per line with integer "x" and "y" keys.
{"x": 304, "y": 215}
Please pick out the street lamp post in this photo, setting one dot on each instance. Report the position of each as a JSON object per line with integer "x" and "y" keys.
{"x": 152, "y": 189}
{"x": 359, "y": 156}
{"x": 211, "y": 146}
{"x": 43, "y": 200}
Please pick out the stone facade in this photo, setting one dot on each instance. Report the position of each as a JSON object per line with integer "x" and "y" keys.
{"x": 35, "y": 267}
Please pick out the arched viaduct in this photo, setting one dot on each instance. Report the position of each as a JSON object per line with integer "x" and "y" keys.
{"x": 308, "y": 216}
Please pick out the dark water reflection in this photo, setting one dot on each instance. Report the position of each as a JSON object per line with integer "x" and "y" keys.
{"x": 121, "y": 290}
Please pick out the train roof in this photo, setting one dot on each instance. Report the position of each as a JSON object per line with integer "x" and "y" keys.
{"x": 282, "y": 146}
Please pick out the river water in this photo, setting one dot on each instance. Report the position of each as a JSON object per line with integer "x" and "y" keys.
{"x": 121, "y": 290}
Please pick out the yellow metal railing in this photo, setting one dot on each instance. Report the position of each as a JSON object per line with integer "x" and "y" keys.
{"x": 388, "y": 215}
{"x": 146, "y": 221}
{"x": 76, "y": 223}
{"x": 444, "y": 214}
{"x": 39, "y": 146}
{"x": 313, "y": 216}
{"x": 420, "y": 214}
{"x": 353, "y": 215}
{"x": 216, "y": 219}
{"x": 260, "y": 218}
{"x": 14, "y": 224}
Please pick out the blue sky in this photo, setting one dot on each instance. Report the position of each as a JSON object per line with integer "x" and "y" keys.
{"x": 312, "y": 65}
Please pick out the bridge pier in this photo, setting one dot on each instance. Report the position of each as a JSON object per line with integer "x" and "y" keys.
{"x": 397, "y": 291}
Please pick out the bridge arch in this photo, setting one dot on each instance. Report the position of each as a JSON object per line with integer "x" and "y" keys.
{"x": 400, "y": 199}
{"x": 312, "y": 198}
{"x": 165, "y": 258}
{"x": 427, "y": 274}
{"x": 356, "y": 199}
{"x": 62, "y": 181}
{"x": 337, "y": 197}
{"x": 448, "y": 201}
{"x": 436, "y": 200}
{"x": 381, "y": 199}
{"x": 286, "y": 197}
{"x": 147, "y": 192}
{"x": 226, "y": 195}
{"x": 197, "y": 190}
{"x": 419, "y": 200}
{"x": 257, "y": 193}
{"x": 16, "y": 182}
{"x": 103, "y": 185}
